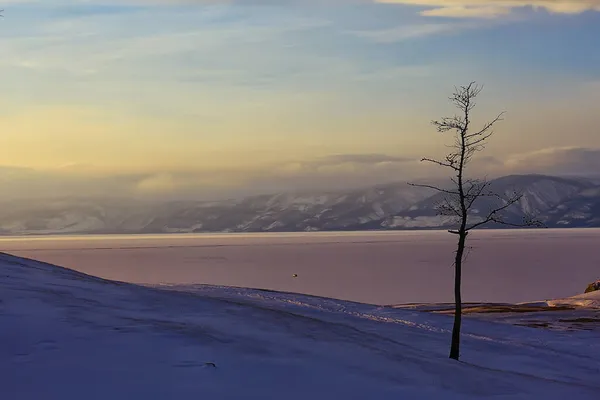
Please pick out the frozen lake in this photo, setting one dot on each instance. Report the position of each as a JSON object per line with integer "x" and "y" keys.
{"x": 370, "y": 267}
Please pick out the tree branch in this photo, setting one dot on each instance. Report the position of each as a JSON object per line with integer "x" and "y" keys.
{"x": 487, "y": 126}
{"x": 493, "y": 215}
{"x": 446, "y": 208}
{"x": 476, "y": 190}
{"x": 449, "y": 163}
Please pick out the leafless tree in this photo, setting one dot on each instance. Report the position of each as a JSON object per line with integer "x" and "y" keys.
{"x": 458, "y": 200}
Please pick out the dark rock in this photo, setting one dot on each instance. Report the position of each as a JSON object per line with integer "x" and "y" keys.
{"x": 592, "y": 287}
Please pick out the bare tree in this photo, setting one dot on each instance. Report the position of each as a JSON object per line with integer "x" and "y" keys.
{"x": 458, "y": 200}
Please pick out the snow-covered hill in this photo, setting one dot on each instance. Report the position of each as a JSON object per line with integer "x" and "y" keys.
{"x": 65, "y": 335}
{"x": 558, "y": 202}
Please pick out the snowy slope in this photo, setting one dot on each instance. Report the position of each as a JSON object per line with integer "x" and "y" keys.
{"x": 65, "y": 335}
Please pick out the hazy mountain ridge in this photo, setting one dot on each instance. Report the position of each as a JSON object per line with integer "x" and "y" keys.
{"x": 557, "y": 202}
{"x": 542, "y": 197}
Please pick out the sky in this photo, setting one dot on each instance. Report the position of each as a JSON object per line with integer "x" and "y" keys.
{"x": 208, "y": 98}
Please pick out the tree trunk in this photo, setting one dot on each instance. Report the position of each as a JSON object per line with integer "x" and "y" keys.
{"x": 455, "y": 346}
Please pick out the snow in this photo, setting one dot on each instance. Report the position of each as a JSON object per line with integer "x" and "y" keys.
{"x": 379, "y": 211}
{"x": 65, "y": 335}
{"x": 589, "y": 300}
{"x": 274, "y": 225}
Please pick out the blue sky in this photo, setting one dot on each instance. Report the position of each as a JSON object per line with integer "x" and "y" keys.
{"x": 212, "y": 98}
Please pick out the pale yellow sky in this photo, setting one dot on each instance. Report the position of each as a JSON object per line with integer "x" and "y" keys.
{"x": 121, "y": 140}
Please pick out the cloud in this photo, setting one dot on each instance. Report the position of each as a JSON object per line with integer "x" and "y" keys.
{"x": 495, "y": 8}
{"x": 433, "y": 8}
{"x": 332, "y": 165}
{"x": 362, "y": 159}
{"x": 330, "y": 172}
{"x": 161, "y": 182}
{"x": 338, "y": 171}
{"x": 556, "y": 160}
{"x": 406, "y": 32}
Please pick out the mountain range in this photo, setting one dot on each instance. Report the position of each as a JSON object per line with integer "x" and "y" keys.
{"x": 554, "y": 201}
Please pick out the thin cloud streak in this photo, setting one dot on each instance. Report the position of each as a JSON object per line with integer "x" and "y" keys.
{"x": 495, "y": 8}
{"x": 438, "y": 8}
{"x": 557, "y": 160}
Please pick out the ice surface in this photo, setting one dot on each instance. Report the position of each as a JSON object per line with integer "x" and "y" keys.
{"x": 370, "y": 267}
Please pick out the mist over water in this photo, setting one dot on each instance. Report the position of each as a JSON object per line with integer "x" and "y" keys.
{"x": 371, "y": 267}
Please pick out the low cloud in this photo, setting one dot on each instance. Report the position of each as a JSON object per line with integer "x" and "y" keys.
{"x": 407, "y": 32}
{"x": 557, "y": 160}
{"x": 371, "y": 159}
{"x": 333, "y": 172}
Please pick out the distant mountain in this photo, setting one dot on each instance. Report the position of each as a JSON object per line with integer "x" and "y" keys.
{"x": 541, "y": 195}
{"x": 582, "y": 210}
{"x": 287, "y": 212}
{"x": 558, "y": 202}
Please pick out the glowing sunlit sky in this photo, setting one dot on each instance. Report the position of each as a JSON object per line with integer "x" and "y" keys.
{"x": 212, "y": 98}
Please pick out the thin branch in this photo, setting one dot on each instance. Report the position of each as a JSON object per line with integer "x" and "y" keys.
{"x": 449, "y": 123}
{"x": 476, "y": 190}
{"x": 479, "y": 140}
{"x": 448, "y": 164}
{"x": 487, "y": 126}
